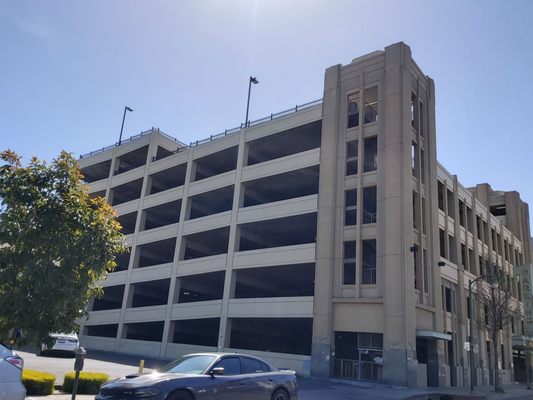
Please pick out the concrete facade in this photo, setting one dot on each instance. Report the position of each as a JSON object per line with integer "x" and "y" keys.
{"x": 327, "y": 239}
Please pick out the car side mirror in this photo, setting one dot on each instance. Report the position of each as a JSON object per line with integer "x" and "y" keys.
{"x": 217, "y": 371}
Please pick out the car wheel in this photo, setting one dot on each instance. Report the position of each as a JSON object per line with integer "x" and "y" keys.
{"x": 180, "y": 395}
{"x": 280, "y": 394}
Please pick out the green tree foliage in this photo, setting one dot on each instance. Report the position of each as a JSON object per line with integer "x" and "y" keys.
{"x": 55, "y": 243}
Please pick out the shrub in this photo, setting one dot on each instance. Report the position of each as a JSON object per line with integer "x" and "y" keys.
{"x": 38, "y": 383}
{"x": 89, "y": 382}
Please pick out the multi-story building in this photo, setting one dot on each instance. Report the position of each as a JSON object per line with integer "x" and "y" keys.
{"x": 327, "y": 238}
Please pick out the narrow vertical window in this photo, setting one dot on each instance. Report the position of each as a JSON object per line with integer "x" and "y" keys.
{"x": 353, "y": 111}
{"x": 369, "y": 262}
{"x": 351, "y": 157}
{"x": 422, "y": 119}
{"x": 442, "y": 244}
{"x": 350, "y": 210}
{"x": 349, "y": 263}
{"x": 414, "y": 111}
{"x": 425, "y": 270}
{"x": 371, "y": 154}
{"x": 422, "y": 167}
{"x": 370, "y": 205}
{"x": 371, "y": 104}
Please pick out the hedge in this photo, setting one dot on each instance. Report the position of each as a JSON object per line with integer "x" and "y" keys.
{"x": 38, "y": 383}
{"x": 89, "y": 382}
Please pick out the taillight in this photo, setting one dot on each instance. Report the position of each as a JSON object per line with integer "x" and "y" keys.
{"x": 16, "y": 361}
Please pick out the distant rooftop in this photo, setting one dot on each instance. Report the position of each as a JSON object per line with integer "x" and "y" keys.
{"x": 212, "y": 137}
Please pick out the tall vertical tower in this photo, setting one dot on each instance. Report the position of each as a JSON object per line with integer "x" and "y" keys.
{"x": 375, "y": 284}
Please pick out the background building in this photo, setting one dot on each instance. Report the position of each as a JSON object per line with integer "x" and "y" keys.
{"x": 327, "y": 238}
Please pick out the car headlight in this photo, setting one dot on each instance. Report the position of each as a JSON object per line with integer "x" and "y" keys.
{"x": 147, "y": 392}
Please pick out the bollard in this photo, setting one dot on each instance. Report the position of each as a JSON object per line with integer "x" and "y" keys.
{"x": 141, "y": 367}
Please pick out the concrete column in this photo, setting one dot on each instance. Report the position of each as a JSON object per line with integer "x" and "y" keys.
{"x": 395, "y": 229}
{"x": 325, "y": 246}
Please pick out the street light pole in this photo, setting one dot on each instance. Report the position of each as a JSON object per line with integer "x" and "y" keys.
{"x": 471, "y": 335}
{"x": 126, "y": 108}
{"x": 253, "y": 80}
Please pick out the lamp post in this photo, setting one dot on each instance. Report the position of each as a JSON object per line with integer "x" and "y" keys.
{"x": 126, "y": 108}
{"x": 471, "y": 334}
{"x": 253, "y": 80}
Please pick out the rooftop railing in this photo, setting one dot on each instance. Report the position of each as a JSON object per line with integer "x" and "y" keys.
{"x": 227, "y": 132}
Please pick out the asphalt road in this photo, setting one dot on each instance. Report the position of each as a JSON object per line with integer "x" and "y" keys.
{"x": 116, "y": 365}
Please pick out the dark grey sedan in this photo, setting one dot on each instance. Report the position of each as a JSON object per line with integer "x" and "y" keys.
{"x": 207, "y": 376}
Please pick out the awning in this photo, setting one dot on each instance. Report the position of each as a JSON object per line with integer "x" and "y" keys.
{"x": 433, "y": 335}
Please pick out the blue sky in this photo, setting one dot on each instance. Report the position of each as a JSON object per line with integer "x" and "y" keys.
{"x": 70, "y": 67}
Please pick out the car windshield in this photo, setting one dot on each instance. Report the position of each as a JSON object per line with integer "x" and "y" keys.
{"x": 189, "y": 364}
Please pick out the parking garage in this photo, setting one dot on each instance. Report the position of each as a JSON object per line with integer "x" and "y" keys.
{"x": 127, "y": 222}
{"x": 201, "y": 332}
{"x": 288, "y": 185}
{"x": 126, "y": 192}
{"x": 201, "y": 287}
{"x": 110, "y": 300}
{"x": 155, "y": 253}
{"x": 216, "y": 163}
{"x": 167, "y": 179}
{"x": 95, "y": 172}
{"x": 204, "y": 244}
{"x": 151, "y": 293}
{"x": 279, "y": 335}
{"x": 150, "y": 331}
{"x": 108, "y": 330}
{"x": 161, "y": 215}
{"x": 123, "y": 261}
{"x": 282, "y": 144}
{"x": 213, "y": 202}
{"x": 278, "y": 281}
{"x": 278, "y": 232}
{"x": 131, "y": 160}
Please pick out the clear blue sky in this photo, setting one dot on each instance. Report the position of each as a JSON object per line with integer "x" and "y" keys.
{"x": 68, "y": 68}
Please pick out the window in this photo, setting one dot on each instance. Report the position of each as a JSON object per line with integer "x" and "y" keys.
{"x": 462, "y": 213}
{"x": 371, "y": 104}
{"x": 353, "y": 111}
{"x": 350, "y": 213}
{"x": 421, "y": 113}
{"x": 231, "y": 365}
{"x": 351, "y": 158}
{"x": 369, "y": 262}
{"x": 414, "y": 111}
{"x": 440, "y": 193}
{"x": 370, "y": 205}
{"x": 448, "y": 300}
{"x": 422, "y": 167}
{"x": 371, "y": 154}
{"x": 349, "y": 263}
{"x": 414, "y": 156}
{"x": 442, "y": 244}
{"x": 253, "y": 366}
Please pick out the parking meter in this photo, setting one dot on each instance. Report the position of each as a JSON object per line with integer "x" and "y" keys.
{"x": 80, "y": 358}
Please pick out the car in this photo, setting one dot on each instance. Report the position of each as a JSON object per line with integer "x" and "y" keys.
{"x": 63, "y": 343}
{"x": 207, "y": 376}
{"x": 11, "y": 387}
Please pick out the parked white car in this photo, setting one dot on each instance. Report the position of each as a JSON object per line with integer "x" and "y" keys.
{"x": 11, "y": 387}
{"x": 63, "y": 342}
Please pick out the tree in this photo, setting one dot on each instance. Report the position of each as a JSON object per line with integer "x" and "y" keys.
{"x": 55, "y": 243}
{"x": 500, "y": 310}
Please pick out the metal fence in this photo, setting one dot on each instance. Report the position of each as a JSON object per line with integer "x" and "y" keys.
{"x": 227, "y": 132}
{"x": 358, "y": 370}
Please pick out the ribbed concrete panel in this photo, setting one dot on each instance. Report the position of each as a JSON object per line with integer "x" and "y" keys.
{"x": 143, "y": 314}
{"x": 214, "y": 182}
{"x": 201, "y": 309}
{"x": 201, "y": 265}
{"x": 303, "y": 253}
{"x": 104, "y": 317}
{"x": 283, "y": 164}
{"x": 161, "y": 233}
{"x": 207, "y": 223}
{"x": 272, "y": 307}
{"x": 128, "y": 176}
{"x": 163, "y": 197}
{"x": 128, "y": 207}
{"x": 151, "y": 273}
{"x": 279, "y": 209}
